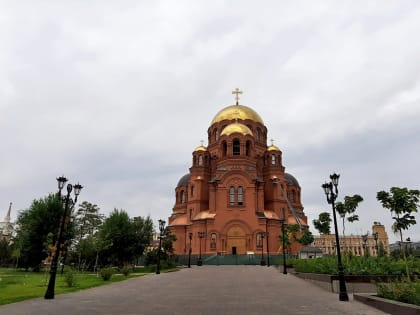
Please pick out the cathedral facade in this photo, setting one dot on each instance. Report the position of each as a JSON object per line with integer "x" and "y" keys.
{"x": 236, "y": 195}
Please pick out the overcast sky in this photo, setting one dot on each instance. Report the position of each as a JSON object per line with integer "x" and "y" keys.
{"x": 117, "y": 94}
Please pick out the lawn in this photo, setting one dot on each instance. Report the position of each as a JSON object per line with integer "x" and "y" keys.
{"x": 17, "y": 286}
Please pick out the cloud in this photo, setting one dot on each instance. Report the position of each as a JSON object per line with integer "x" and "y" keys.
{"x": 117, "y": 95}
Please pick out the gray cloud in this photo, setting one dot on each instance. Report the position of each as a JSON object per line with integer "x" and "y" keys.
{"x": 117, "y": 95}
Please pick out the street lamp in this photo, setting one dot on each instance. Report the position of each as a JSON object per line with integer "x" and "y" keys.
{"x": 200, "y": 261}
{"x": 282, "y": 221}
{"x": 262, "y": 234}
{"x": 268, "y": 251}
{"x": 375, "y": 237}
{"x": 331, "y": 191}
{"x": 189, "y": 251}
{"x": 161, "y": 230}
{"x": 49, "y": 294}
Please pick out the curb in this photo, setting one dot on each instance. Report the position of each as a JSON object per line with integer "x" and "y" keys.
{"x": 388, "y": 306}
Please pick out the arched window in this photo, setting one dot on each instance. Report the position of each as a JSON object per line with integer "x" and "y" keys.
{"x": 248, "y": 148}
{"x": 183, "y": 197}
{"x": 192, "y": 191}
{"x": 176, "y": 197}
{"x": 213, "y": 241}
{"x": 257, "y": 134}
{"x": 236, "y": 147}
{"x": 259, "y": 240}
{"x": 216, "y": 135}
{"x": 200, "y": 160}
{"x": 240, "y": 196}
{"x": 224, "y": 147}
{"x": 232, "y": 195}
{"x": 273, "y": 159}
{"x": 191, "y": 213}
{"x": 292, "y": 196}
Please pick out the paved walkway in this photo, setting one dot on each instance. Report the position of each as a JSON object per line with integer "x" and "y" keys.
{"x": 200, "y": 290}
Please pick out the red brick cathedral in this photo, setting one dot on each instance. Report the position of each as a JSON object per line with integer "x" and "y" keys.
{"x": 237, "y": 192}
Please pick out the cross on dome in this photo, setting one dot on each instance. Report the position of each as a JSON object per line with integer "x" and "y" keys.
{"x": 237, "y": 92}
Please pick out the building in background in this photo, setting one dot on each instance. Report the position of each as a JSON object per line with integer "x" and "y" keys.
{"x": 236, "y": 192}
{"x": 358, "y": 245}
{"x": 6, "y": 228}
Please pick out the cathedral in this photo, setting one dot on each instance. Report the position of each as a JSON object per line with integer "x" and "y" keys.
{"x": 236, "y": 195}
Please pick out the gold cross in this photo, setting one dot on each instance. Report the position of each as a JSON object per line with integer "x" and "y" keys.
{"x": 272, "y": 141}
{"x": 202, "y": 142}
{"x": 237, "y": 92}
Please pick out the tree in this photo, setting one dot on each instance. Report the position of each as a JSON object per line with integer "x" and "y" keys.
{"x": 37, "y": 229}
{"x": 143, "y": 229}
{"x": 87, "y": 220}
{"x": 402, "y": 203}
{"x": 323, "y": 223}
{"x": 117, "y": 232}
{"x": 122, "y": 239}
{"x": 5, "y": 252}
{"x": 347, "y": 208}
{"x": 306, "y": 238}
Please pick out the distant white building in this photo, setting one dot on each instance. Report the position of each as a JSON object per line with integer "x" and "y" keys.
{"x": 6, "y": 228}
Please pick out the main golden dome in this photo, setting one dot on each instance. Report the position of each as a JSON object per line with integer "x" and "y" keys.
{"x": 237, "y": 112}
{"x": 236, "y": 127}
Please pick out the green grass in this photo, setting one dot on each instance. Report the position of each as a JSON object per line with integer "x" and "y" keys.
{"x": 17, "y": 286}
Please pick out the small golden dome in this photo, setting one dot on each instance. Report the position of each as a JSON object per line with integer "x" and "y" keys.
{"x": 238, "y": 128}
{"x": 200, "y": 148}
{"x": 237, "y": 112}
{"x": 273, "y": 148}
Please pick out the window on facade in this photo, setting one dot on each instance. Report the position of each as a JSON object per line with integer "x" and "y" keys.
{"x": 236, "y": 147}
{"x": 224, "y": 147}
{"x": 183, "y": 197}
{"x": 200, "y": 160}
{"x": 240, "y": 196}
{"x": 248, "y": 148}
{"x": 259, "y": 240}
{"x": 176, "y": 197}
{"x": 292, "y": 196}
{"x": 191, "y": 213}
{"x": 232, "y": 195}
{"x": 216, "y": 135}
{"x": 213, "y": 240}
{"x": 192, "y": 191}
{"x": 273, "y": 159}
{"x": 257, "y": 134}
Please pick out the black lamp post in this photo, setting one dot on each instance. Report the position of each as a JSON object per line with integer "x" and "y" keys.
{"x": 282, "y": 221}
{"x": 200, "y": 261}
{"x": 331, "y": 191}
{"x": 49, "y": 294}
{"x": 189, "y": 251}
{"x": 268, "y": 250}
{"x": 375, "y": 237}
{"x": 161, "y": 230}
{"x": 262, "y": 248}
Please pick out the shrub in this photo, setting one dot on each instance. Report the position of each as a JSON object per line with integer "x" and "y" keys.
{"x": 106, "y": 273}
{"x": 125, "y": 270}
{"x": 402, "y": 291}
{"x": 70, "y": 279}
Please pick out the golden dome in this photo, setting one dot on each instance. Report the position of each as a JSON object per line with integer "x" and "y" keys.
{"x": 238, "y": 128}
{"x": 237, "y": 112}
{"x": 273, "y": 148}
{"x": 200, "y": 148}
